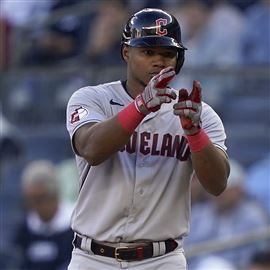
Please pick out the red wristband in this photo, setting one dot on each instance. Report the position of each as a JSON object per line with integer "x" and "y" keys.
{"x": 198, "y": 141}
{"x": 129, "y": 118}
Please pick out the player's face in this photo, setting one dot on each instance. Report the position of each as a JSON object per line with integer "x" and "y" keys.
{"x": 146, "y": 62}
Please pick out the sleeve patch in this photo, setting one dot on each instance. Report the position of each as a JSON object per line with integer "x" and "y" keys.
{"x": 78, "y": 114}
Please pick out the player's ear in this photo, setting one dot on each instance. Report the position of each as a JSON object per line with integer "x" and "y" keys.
{"x": 125, "y": 52}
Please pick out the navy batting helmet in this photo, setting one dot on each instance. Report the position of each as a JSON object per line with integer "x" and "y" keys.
{"x": 154, "y": 28}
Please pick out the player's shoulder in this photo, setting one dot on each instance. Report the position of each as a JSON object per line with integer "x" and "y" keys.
{"x": 207, "y": 109}
{"x": 206, "y": 106}
{"x": 209, "y": 114}
{"x": 99, "y": 89}
{"x": 109, "y": 86}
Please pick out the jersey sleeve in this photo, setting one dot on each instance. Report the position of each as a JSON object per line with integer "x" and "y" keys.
{"x": 84, "y": 106}
{"x": 213, "y": 126}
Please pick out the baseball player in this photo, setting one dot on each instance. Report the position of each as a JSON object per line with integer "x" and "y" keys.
{"x": 137, "y": 143}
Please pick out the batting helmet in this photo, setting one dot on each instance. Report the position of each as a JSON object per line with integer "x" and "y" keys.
{"x": 154, "y": 28}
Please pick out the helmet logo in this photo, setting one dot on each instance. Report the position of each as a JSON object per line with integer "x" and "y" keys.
{"x": 159, "y": 23}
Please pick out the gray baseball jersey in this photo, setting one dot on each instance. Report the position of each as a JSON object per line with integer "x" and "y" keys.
{"x": 142, "y": 192}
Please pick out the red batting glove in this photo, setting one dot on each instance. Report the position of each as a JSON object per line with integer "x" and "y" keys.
{"x": 189, "y": 108}
{"x": 156, "y": 92}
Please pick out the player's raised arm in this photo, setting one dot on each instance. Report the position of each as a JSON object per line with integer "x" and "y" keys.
{"x": 97, "y": 141}
{"x": 209, "y": 162}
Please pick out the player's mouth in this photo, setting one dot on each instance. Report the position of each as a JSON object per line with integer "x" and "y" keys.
{"x": 152, "y": 74}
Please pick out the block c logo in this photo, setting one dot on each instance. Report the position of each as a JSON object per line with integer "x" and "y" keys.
{"x": 159, "y": 23}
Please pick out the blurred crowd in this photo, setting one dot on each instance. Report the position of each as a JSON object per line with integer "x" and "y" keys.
{"x": 219, "y": 223}
{"x": 39, "y": 187}
{"x": 69, "y": 34}
{"x": 216, "y": 32}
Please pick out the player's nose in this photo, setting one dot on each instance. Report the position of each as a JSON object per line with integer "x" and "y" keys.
{"x": 159, "y": 61}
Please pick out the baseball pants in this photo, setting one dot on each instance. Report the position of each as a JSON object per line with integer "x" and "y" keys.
{"x": 82, "y": 260}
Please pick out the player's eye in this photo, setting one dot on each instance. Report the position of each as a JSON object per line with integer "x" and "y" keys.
{"x": 170, "y": 54}
{"x": 148, "y": 52}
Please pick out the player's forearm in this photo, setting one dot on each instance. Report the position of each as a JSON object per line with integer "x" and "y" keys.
{"x": 212, "y": 169}
{"x": 99, "y": 141}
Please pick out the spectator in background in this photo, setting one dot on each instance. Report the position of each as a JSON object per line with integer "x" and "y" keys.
{"x": 57, "y": 41}
{"x": 24, "y": 13}
{"x": 14, "y": 16}
{"x": 256, "y": 35}
{"x": 44, "y": 239}
{"x": 226, "y": 217}
{"x": 211, "y": 32}
{"x": 103, "y": 46}
{"x": 255, "y": 59}
{"x": 12, "y": 153}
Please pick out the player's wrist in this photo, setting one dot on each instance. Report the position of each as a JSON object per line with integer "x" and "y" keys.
{"x": 140, "y": 105}
{"x": 192, "y": 131}
{"x": 130, "y": 117}
{"x": 189, "y": 127}
{"x": 198, "y": 141}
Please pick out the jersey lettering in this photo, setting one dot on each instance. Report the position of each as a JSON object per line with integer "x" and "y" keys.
{"x": 175, "y": 147}
{"x": 131, "y": 146}
{"x": 180, "y": 148}
{"x": 144, "y": 148}
{"x": 154, "y": 151}
{"x": 159, "y": 23}
{"x": 166, "y": 147}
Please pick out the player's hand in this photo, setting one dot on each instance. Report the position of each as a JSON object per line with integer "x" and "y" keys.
{"x": 189, "y": 109}
{"x": 156, "y": 92}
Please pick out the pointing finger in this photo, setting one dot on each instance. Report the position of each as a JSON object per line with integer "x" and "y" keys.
{"x": 164, "y": 77}
{"x": 183, "y": 95}
{"x": 195, "y": 94}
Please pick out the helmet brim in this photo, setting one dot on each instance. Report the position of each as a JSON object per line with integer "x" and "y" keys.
{"x": 155, "y": 41}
